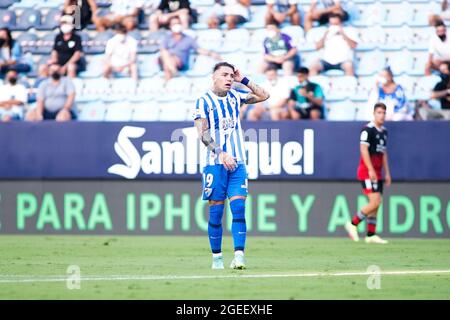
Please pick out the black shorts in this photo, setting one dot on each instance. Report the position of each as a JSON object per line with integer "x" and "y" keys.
{"x": 372, "y": 187}
{"x": 50, "y": 115}
{"x": 328, "y": 66}
{"x": 305, "y": 113}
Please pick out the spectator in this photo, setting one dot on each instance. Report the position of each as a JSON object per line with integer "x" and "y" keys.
{"x": 279, "y": 52}
{"x": 440, "y": 92}
{"x": 121, "y": 54}
{"x": 233, "y": 12}
{"x": 439, "y": 49}
{"x": 124, "y": 12}
{"x": 392, "y": 95}
{"x": 169, "y": 9}
{"x": 13, "y": 97}
{"x": 11, "y": 57}
{"x": 279, "y": 10}
{"x": 86, "y": 9}
{"x": 276, "y": 105}
{"x": 338, "y": 44}
{"x": 68, "y": 50}
{"x": 175, "y": 50}
{"x": 55, "y": 98}
{"x": 321, "y": 12}
{"x": 306, "y": 99}
{"x": 434, "y": 18}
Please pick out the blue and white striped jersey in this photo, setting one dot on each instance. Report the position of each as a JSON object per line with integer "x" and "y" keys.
{"x": 222, "y": 114}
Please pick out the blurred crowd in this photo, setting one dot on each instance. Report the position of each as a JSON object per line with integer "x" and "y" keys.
{"x": 52, "y": 94}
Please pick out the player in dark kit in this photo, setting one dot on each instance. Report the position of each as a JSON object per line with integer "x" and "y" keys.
{"x": 373, "y": 159}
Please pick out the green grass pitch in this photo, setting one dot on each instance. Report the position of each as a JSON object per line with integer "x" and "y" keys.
{"x": 169, "y": 267}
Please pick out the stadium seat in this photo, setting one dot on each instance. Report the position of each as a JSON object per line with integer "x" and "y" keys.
{"x": 238, "y": 59}
{"x": 91, "y": 111}
{"x": 257, "y": 14}
{"x": 148, "y": 65}
{"x": 312, "y": 37}
{"x": 98, "y": 43}
{"x": 400, "y": 62}
{"x": 94, "y": 67}
{"x": 234, "y": 40}
{"x": 296, "y": 33}
{"x": 50, "y": 4}
{"x": 145, "y": 111}
{"x": 45, "y": 44}
{"x": 370, "y": 15}
{"x": 5, "y": 4}
{"x": 322, "y": 81}
{"x": 341, "y": 111}
{"x": 29, "y": 18}
{"x": 256, "y": 41}
{"x": 424, "y": 86}
{"x": 201, "y": 66}
{"x": 407, "y": 83}
{"x": 342, "y": 87}
{"x": 421, "y": 12}
{"x": 371, "y": 38}
{"x": 96, "y": 88}
{"x": 420, "y": 60}
{"x": 7, "y": 18}
{"x": 364, "y": 112}
{"x": 398, "y": 38}
{"x": 150, "y": 88}
{"x": 397, "y": 14}
{"x": 51, "y": 20}
{"x": 173, "y": 111}
{"x": 365, "y": 85}
{"x": 24, "y": 4}
{"x": 118, "y": 111}
{"x": 27, "y": 42}
{"x": 370, "y": 63}
{"x": 210, "y": 39}
{"x": 121, "y": 89}
{"x": 420, "y": 39}
{"x": 176, "y": 89}
{"x": 152, "y": 42}
{"x": 79, "y": 87}
{"x": 199, "y": 87}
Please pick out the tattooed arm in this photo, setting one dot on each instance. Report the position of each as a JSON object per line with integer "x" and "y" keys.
{"x": 205, "y": 137}
{"x": 258, "y": 94}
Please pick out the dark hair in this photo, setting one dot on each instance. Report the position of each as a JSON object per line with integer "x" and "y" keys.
{"x": 273, "y": 23}
{"x": 120, "y": 27}
{"x": 9, "y": 40}
{"x": 439, "y": 23}
{"x": 335, "y": 15}
{"x": 379, "y": 105}
{"x": 389, "y": 70}
{"x": 271, "y": 67}
{"x": 223, "y": 64}
{"x": 303, "y": 70}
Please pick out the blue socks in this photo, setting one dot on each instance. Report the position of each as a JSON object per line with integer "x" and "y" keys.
{"x": 238, "y": 227}
{"x": 215, "y": 227}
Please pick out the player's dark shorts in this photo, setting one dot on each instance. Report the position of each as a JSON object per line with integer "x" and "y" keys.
{"x": 219, "y": 184}
{"x": 372, "y": 187}
{"x": 50, "y": 115}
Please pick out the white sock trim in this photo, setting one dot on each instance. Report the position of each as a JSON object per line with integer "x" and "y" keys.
{"x": 239, "y": 253}
{"x": 216, "y": 255}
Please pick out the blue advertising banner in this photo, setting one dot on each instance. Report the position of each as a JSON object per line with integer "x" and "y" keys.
{"x": 170, "y": 150}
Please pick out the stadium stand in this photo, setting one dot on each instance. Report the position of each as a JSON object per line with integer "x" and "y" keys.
{"x": 393, "y": 33}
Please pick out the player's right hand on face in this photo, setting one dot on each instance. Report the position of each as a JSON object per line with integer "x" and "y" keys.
{"x": 228, "y": 161}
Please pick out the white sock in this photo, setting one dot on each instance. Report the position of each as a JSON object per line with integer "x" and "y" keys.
{"x": 216, "y": 255}
{"x": 239, "y": 253}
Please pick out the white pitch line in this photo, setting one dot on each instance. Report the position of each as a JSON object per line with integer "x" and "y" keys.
{"x": 24, "y": 279}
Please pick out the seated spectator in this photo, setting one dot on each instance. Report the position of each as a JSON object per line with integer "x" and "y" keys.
{"x": 279, "y": 10}
{"x": 306, "y": 99}
{"x": 121, "y": 54}
{"x": 233, "y": 12}
{"x": 338, "y": 43}
{"x": 86, "y": 9}
{"x": 68, "y": 50}
{"x": 55, "y": 98}
{"x": 279, "y": 52}
{"x": 276, "y": 106}
{"x": 392, "y": 95}
{"x": 440, "y": 92}
{"x": 321, "y": 11}
{"x": 439, "y": 49}
{"x": 11, "y": 57}
{"x": 176, "y": 48}
{"x": 13, "y": 97}
{"x": 125, "y": 12}
{"x": 444, "y": 15}
{"x": 169, "y": 9}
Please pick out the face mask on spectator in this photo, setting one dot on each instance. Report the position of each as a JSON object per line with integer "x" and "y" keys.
{"x": 382, "y": 80}
{"x": 12, "y": 80}
{"x": 56, "y": 75}
{"x": 176, "y": 28}
{"x": 271, "y": 33}
{"x": 66, "y": 28}
{"x": 442, "y": 37}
